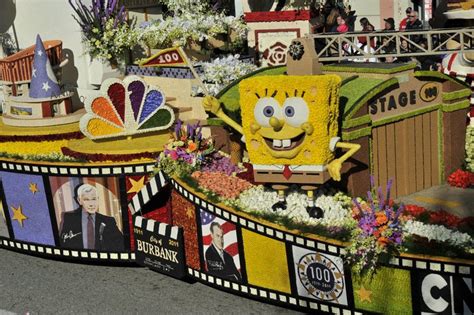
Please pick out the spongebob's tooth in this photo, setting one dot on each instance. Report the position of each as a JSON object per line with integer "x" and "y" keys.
{"x": 286, "y": 143}
{"x": 276, "y": 143}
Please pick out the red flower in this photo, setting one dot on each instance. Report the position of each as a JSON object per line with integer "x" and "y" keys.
{"x": 461, "y": 179}
{"x": 414, "y": 210}
{"x": 445, "y": 218}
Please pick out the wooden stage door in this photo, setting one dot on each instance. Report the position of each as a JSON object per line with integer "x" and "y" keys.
{"x": 407, "y": 152}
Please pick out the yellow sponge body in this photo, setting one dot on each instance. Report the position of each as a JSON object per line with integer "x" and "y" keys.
{"x": 321, "y": 94}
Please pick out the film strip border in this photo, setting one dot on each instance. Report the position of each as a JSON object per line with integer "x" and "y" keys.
{"x": 408, "y": 263}
{"x": 147, "y": 192}
{"x": 52, "y": 251}
{"x": 411, "y": 263}
{"x": 269, "y": 295}
{"x": 160, "y": 228}
{"x": 77, "y": 170}
{"x": 257, "y": 227}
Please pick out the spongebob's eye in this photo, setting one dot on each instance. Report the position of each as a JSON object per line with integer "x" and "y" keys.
{"x": 268, "y": 111}
{"x": 296, "y": 111}
{"x": 266, "y": 108}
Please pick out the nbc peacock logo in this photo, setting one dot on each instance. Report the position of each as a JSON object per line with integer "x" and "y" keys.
{"x": 126, "y": 108}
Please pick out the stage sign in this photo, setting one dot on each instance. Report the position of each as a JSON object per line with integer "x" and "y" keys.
{"x": 437, "y": 293}
{"x": 159, "y": 246}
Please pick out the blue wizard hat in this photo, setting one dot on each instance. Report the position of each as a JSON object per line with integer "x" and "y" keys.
{"x": 43, "y": 81}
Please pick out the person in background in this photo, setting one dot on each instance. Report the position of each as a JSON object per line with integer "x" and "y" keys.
{"x": 341, "y": 25}
{"x": 331, "y": 21}
{"x": 403, "y": 23}
{"x": 387, "y": 43}
{"x": 366, "y": 27}
{"x": 414, "y": 24}
{"x": 389, "y": 25}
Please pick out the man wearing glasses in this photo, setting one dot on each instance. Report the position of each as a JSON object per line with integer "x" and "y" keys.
{"x": 414, "y": 24}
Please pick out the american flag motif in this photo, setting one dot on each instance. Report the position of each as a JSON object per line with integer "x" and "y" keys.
{"x": 229, "y": 231}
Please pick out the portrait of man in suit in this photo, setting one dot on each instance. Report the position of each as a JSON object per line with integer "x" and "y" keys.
{"x": 86, "y": 228}
{"x": 218, "y": 261}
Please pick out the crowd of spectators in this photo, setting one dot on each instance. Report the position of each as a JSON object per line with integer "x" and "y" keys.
{"x": 335, "y": 18}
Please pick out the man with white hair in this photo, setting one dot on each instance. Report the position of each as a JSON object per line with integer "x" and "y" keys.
{"x": 85, "y": 228}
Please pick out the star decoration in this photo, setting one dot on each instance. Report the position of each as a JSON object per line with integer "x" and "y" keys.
{"x": 46, "y": 86}
{"x": 18, "y": 215}
{"x": 364, "y": 294}
{"x": 190, "y": 212}
{"x": 40, "y": 53}
{"x": 34, "y": 72}
{"x": 137, "y": 185}
{"x": 33, "y": 187}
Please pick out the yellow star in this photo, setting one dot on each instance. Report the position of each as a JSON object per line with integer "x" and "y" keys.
{"x": 364, "y": 294}
{"x": 190, "y": 212}
{"x": 33, "y": 187}
{"x": 18, "y": 215}
{"x": 137, "y": 185}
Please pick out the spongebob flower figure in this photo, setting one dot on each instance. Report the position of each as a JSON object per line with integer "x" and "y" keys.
{"x": 290, "y": 127}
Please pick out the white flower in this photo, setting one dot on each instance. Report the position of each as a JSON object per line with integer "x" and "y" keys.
{"x": 260, "y": 200}
{"x": 438, "y": 233}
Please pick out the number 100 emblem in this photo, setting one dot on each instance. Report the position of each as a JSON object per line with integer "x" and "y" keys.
{"x": 321, "y": 277}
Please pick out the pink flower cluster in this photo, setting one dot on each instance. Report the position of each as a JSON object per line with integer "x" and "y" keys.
{"x": 222, "y": 184}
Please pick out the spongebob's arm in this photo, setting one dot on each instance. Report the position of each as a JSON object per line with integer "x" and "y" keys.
{"x": 335, "y": 166}
{"x": 212, "y": 104}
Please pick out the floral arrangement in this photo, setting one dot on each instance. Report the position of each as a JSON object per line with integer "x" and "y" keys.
{"x": 378, "y": 234}
{"x": 219, "y": 162}
{"x": 220, "y": 72}
{"x": 223, "y": 185}
{"x": 185, "y": 151}
{"x": 461, "y": 179}
{"x": 191, "y": 21}
{"x": 105, "y": 29}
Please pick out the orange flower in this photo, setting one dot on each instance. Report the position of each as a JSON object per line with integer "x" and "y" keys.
{"x": 381, "y": 218}
{"x": 383, "y": 241}
{"x": 192, "y": 146}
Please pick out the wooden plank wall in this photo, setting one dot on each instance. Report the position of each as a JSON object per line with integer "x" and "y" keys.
{"x": 407, "y": 152}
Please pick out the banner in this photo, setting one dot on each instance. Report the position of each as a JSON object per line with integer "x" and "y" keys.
{"x": 159, "y": 246}
{"x": 170, "y": 57}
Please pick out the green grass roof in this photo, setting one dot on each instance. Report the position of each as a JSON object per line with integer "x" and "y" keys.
{"x": 353, "y": 90}
{"x": 230, "y": 97}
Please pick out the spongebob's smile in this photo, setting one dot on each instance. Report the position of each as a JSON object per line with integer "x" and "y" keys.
{"x": 285, "y": 144}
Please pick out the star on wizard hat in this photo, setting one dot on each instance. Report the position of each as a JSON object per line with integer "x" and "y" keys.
{"x": 43, "y": 81}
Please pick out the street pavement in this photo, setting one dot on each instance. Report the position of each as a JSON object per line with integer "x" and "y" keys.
{"x": 34, "y": 285}
{"x": 454, "y": 200}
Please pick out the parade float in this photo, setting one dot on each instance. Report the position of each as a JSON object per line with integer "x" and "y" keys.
{"x": 267, "y": 218}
